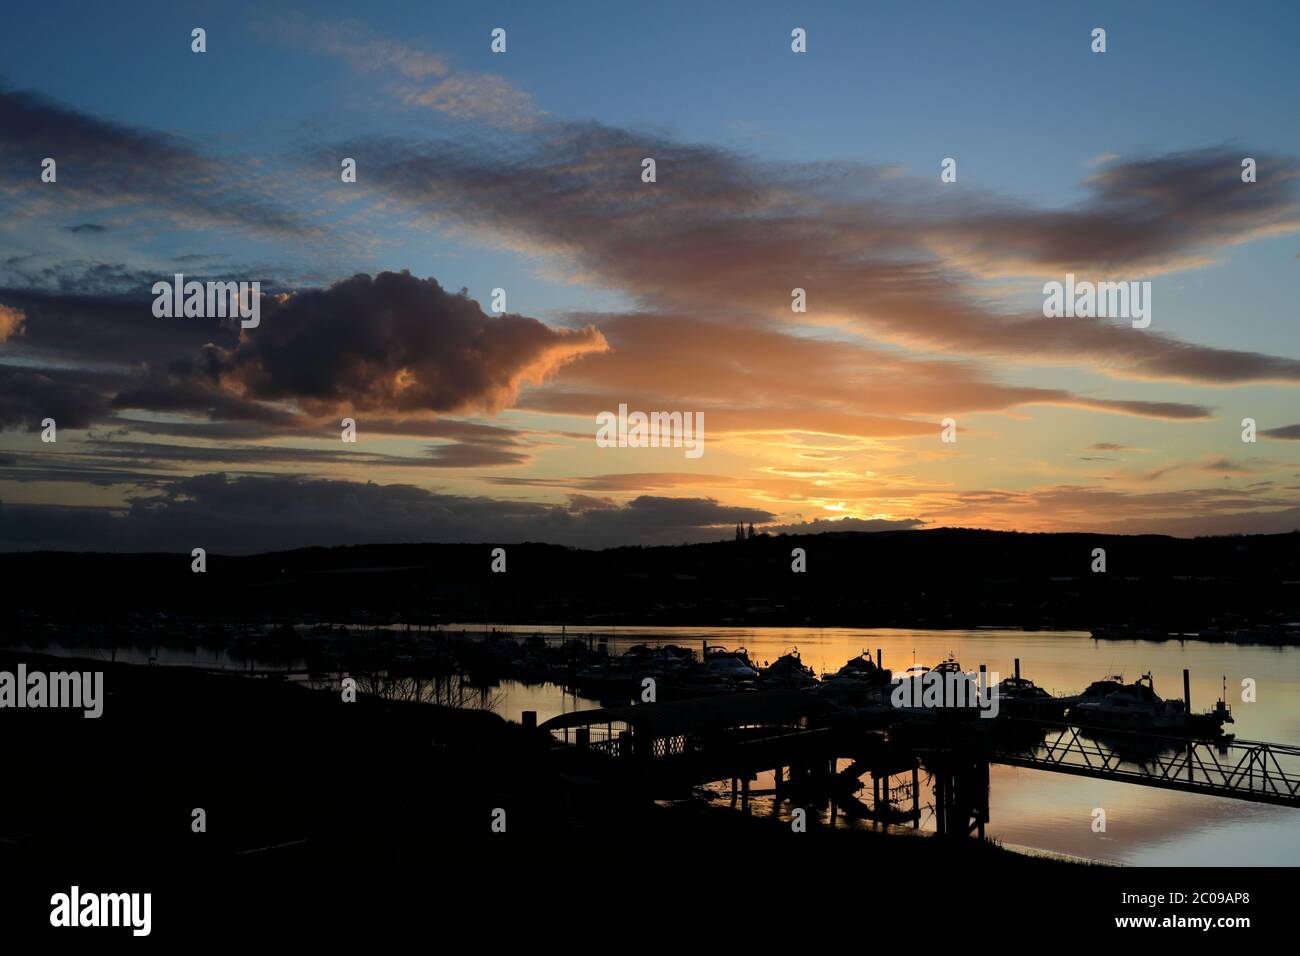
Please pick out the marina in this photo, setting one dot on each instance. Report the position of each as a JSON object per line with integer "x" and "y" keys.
{"x": 1047, "y": 732}
{"x": 1030, "y": 808}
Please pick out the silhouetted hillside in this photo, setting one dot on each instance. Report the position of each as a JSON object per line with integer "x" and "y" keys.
{"x": 909, "y": 578}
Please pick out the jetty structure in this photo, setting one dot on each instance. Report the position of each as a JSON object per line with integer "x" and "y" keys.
{"x": 820, "y": 754}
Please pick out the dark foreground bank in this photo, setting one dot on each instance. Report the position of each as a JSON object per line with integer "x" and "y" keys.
{"x": 326, "y": 819}
{"x": 282, "y": 769}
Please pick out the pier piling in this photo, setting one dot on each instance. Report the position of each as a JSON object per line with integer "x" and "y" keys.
{"x": 916, "y": 798}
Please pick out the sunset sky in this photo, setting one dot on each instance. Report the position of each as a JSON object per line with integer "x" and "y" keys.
{"x": 522, "y": 171}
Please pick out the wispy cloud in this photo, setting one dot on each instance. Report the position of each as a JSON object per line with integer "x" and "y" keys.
{"x": 1284, "y": 433}
{"x": 103, "y": 165}
{"x": 722, "y": 234}
{"x": 415, "y": 77}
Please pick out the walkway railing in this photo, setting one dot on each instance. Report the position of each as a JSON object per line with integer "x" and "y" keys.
{"x": 1240, "y": 769}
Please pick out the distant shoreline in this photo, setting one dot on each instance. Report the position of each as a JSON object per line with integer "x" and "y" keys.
{"x": 944, "y": 579}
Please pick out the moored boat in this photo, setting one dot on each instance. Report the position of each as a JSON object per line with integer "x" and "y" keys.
{"x": 789, "y": 671}
{"x": 861, "y": 668}
{"x": 730, "y": 665}
{"x": 1021, "y": 697}
{"x": 1137, "y": 706}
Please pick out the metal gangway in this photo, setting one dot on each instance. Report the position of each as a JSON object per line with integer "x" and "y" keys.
{"x": 1239, "y": 769}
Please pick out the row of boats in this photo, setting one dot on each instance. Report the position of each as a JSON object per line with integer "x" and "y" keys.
{"x": 1279, "y": 633}
{"x": 586, "y": 665}
{"x": 1109, "y": 702}
{"x": 862, "y": 683}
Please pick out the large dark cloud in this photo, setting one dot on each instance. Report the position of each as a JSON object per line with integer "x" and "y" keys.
{"x": 394, "y": 346}
{"x": 392, "y": 343}
{"x": 251, "y": 514}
